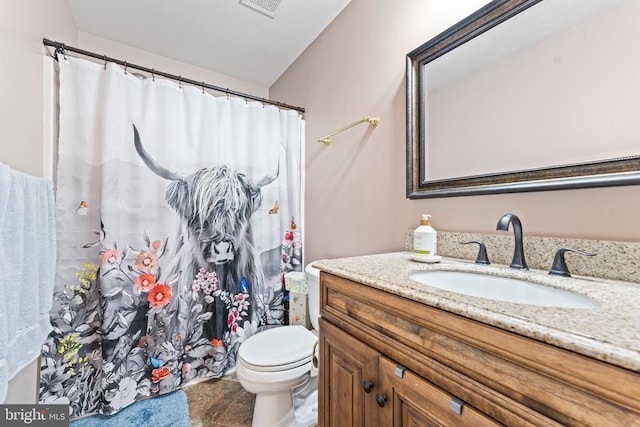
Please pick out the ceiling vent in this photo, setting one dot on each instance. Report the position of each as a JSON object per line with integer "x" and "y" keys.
{"x": 267, "y": 7}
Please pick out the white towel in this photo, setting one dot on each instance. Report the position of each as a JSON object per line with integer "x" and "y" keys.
{"x": 27, "y": 269}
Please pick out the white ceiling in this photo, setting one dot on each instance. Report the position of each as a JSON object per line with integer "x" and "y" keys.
{"x": 224, "y": 36}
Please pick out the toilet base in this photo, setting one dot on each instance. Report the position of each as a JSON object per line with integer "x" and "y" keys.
{"x": 273, "y": 410}
{"x": 277, "y": 409}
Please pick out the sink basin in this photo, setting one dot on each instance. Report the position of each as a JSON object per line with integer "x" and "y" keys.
{"x": 502, "y": 289}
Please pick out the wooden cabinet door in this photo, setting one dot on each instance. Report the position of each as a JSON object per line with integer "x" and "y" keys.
{"x": 410, "y": 400}
{"x": 348, "y": 380}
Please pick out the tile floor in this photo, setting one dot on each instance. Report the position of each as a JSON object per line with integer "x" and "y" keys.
{"x": 220, "y": 402}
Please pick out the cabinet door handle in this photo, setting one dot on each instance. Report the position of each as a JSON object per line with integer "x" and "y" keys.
{"x": 381, "y": 399}
{"x": 456, "y": 405}
{"x": 367, "y": 386}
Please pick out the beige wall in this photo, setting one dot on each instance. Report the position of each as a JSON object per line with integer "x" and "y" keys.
{"x": 23, "y": 24}
{"x": 140, "y": 57}
{"x": 355, "y": 189}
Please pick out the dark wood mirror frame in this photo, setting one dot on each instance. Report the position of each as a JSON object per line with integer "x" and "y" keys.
{"x": 610, "y": 172}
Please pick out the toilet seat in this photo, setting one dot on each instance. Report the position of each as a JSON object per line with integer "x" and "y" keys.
{"x": 277, "y": 349}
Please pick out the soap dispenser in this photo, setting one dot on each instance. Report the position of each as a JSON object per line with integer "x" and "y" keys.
{"x": 425, "y": 239}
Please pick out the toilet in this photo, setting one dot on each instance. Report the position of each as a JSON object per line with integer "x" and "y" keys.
{"x": 276, "y": 365}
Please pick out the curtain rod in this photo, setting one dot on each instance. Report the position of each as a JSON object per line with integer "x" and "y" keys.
{"x": 62, "y": 48}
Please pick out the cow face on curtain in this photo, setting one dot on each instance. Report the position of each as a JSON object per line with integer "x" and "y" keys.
{"x": 177, "y": 216}
{"x": 214, "y": 205}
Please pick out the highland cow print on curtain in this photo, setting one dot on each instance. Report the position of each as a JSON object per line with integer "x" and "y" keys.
{"x": 177, "y": 214}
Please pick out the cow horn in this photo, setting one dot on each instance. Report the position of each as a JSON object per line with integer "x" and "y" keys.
{"x": 155, "y": 167}
{"x": 269, "y": 178}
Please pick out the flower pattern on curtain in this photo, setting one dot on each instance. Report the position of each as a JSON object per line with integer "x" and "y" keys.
{"x": 177, "y": 217}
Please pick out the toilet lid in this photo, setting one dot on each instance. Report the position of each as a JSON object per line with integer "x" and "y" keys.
{"x": 279, "y": 348}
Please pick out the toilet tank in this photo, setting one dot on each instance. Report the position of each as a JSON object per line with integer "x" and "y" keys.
{"x": 313, "y": 279}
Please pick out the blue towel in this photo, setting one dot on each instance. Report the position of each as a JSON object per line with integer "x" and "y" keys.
{"x": 27, "y": 269}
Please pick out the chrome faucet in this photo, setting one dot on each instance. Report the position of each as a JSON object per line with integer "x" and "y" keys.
{"x": 518, "y": 253}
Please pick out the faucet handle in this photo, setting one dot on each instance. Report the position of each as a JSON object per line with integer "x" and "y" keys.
{"x": 559, "y": 267}
{"x": 482, "y": 257}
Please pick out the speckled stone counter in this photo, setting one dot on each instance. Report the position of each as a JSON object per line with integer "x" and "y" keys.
{"x": 610, "y": 332}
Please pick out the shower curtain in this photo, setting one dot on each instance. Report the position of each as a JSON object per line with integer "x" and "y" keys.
{"x": 178, "y": 214}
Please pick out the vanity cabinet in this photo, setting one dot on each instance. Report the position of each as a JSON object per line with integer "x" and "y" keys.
{"x": 349, "y": 372}
{"x": 389, "y": 361}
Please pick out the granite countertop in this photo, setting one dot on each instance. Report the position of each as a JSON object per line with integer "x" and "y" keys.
{"x": 610, "y": 332}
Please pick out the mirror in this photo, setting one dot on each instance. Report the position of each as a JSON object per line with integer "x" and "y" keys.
{"x": 526, "y": 95}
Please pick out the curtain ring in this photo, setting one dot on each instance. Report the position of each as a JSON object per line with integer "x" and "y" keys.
{"x": 125, "y": 68}
{"x": 227, "y": 89}
{"x": 62, "y": 50}
{"x": 153, "y": 74}
{"x": 203, "y": 87}
{"x": 105, "y": 61}
{"x": 180, "y": 82}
